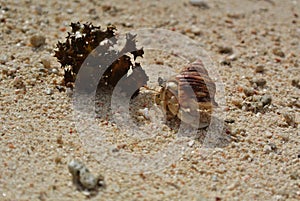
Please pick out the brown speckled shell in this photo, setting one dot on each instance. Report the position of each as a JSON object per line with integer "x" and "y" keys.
{"x": 189, "y": 96}
{"x": 195, "y": 77}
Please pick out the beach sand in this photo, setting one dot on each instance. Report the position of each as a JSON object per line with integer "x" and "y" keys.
{"x": 255, "y": 46}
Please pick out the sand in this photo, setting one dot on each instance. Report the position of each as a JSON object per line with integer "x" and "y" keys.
{"x": 258, "y": 157}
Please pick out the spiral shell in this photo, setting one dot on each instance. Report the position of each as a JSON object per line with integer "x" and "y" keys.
{"x": 189, "y": 96}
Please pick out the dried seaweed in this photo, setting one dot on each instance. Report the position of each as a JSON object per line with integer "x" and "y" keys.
{"x": 87, "y": 40}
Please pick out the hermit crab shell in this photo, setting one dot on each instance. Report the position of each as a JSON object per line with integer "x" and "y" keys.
{"x": 189, "y": 96}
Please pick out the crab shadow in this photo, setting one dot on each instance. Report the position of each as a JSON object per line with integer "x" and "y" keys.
{"x": 217, "y": 134}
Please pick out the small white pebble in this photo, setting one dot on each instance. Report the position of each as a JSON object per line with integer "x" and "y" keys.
{"x": 214, "y": 178}
{"x": 146, "y": 113}
{"x": 232, "y": 57}
{"x": 268, "y": 134}
{"x": 191, "y": 143}
{"x": 54, "y": 71}
{"x": 267, "y": 149}
{"x": 70, "y": 11}
{"x": 196, "y": 30}
{"x": 87, "y": 179}
{"x": 232, "y": 186}
{"x": 3, "y": 59}
{"x": 49, "y": 91}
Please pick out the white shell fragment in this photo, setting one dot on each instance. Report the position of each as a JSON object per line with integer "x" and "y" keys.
{"x": 84, "y": 179}
{"x": 144, "y": 112}
{"x": 87, "y": 179}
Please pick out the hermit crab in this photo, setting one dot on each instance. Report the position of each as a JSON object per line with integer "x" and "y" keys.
{"x": 190, "y": 96}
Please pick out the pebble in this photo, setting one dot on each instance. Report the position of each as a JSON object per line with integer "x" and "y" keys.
{"x": 54, "y": 71}
{"x": 127, "y": 24}
{"x": 268, "y": 134}
{"x": 232, "y": 57}
{"x": 295, "y": 176}
{"x": 173, "y": 22}
{"x": 239, "y": 131}
{"x": 256, "y": 98}
{"x": 37, "y": 10}
{"x": 236, "y": 15}
{"x": 232, "y": 186}
{"x": 225, "y": 62}
{"x": 199, "y": 3}
{"x": 238, "y": 102}
{"x": 3, "y": 59}
{"x": 74, "y": 166}
{"x": 60, "y": 88}
{"x": 37, "y": 40}
{"x": 70, "y": 11}
{"x": 259, "y": 69}
{"x": 9, "y": 72}
{"x": 31, "y": 82}
{"x": 260, "y": 82}
{"x": 296, "y": 83}
{"x": 196, "y": 30}
{"x": 20, "y": 92}
{"x": 266, "y": 99}
{"x": 59, "y": 140}
{"x": 256, "y": 103}
{"x": 191, "y": 143}
{"x": 278, "y": 52}
{"x": 18, "y": 83}
{"x": 290, "y": 119}
{"x": 273, "y": 146}
{"x": 225, "y": 50}
{"x": 248, "y": 91}
{"x": 49, "y": 91}
{"x": 43, "y": 70}
{"x": 214, "y": 178}
{"x": 267, "y": 149}
{"x": 87, "y": 179}
{"x": 83, "y": 178}
{"x": 46, "y": 62}
{"x": 284, "y": 136}
{"x": 229, "y": 120}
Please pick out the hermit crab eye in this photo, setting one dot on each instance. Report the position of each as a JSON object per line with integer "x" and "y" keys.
{"x": 161, "y": 81}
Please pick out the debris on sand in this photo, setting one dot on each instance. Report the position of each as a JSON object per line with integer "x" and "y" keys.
{"x": 37, "y": 40}
{"x": 84, "y": 180}
{"x": 87, "y": 40}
